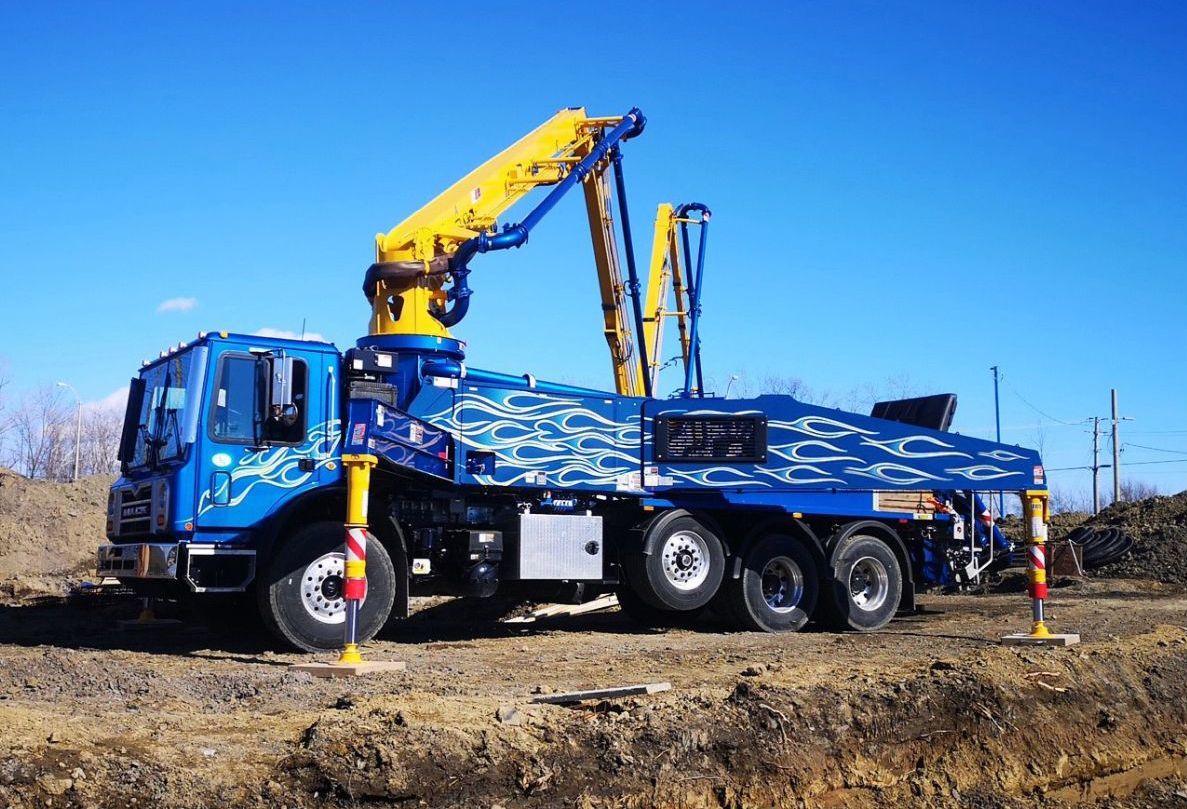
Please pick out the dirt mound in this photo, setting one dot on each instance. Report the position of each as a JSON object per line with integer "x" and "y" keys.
{"x": 1159, "y": 528}
{"x": 49, "y": 531}
{"x": 1157, "y": 524}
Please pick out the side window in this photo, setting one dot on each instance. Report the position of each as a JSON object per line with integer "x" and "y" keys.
{"x": 236, "y": 400}
{"x": 289, "y": 428}
{"x": 241, "y": 413}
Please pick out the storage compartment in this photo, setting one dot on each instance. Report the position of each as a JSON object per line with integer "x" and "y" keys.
{"x": 557, "y": 547}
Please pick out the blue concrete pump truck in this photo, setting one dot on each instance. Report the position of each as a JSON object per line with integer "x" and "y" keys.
{"x": 246, "y": 460}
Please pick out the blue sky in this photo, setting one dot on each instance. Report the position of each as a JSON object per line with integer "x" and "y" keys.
{"x": 916, "y": 190}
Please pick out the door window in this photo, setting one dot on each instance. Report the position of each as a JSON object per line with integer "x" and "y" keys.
{"x": 241, "y": 414}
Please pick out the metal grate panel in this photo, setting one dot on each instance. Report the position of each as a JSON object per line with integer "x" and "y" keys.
{"x": 728, "y": 439}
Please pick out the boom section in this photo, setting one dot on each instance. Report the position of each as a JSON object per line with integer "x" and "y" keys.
{"x": 421, "y": 264}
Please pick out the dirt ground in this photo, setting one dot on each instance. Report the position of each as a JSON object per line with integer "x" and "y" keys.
{"x": 932, "y": 711}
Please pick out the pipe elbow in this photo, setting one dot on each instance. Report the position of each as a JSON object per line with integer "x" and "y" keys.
{"x": 640, "y": 120}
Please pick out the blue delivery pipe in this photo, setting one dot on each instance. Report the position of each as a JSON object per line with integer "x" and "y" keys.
{"x": 516, "y": 235}
{"x": 694, "y": 292}
{"x": 632, "y": 271}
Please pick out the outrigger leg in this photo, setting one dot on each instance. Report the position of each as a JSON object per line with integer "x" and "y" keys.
{"x": 350, "y": 661}
{"x": 1037, "y": 508}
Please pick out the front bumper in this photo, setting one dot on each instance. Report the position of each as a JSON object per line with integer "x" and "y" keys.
{"x": 203, "y": 568}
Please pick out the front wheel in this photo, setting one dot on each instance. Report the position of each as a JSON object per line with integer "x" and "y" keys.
{"x": 301, "y": 600}
{"x": 778, "y": 587}
{"x": 866, "y": 585}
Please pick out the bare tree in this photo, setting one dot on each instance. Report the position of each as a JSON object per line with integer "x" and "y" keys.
{"x": 101, "y": 430}
{"x": 1064, "y": 500}
{"x": 1132, "y": 490}
{"x": 5, "y": 416}
{"x": 42, "y": 435}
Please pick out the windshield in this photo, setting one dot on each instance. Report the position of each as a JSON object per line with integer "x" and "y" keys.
{"x": 162, "y": 417}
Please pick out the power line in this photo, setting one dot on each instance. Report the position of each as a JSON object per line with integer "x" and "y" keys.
{"x": 1128, "y": 463}
{"x": 1155, "y": 449}
{"x": 1037, "y": 410}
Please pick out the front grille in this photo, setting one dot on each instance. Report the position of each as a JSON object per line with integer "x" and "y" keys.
{"x": 134, "y": 510}
{"x": 728, "y": 439}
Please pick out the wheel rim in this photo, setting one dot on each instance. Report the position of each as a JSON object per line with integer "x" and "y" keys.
{"x": 321, "y": 588}
{"x": 869, "y": 583}
{"x": 685, "y": 560}
{"x": 782, "y": 584}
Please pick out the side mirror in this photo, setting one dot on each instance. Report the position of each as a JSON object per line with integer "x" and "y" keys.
{"x": 282, "y": 385}
{"x": 288, "y": 414}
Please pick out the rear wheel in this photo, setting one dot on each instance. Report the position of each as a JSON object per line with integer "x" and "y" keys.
{"x": 301, "y": 596}
{"x": 866, "y": 585}
{"x": 778, "y": 588}
{"x": 680, "y": 566}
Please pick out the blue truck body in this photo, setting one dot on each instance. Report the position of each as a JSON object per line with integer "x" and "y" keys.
{"x": 209, "y": 493}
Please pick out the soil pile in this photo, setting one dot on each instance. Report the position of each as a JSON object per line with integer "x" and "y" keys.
{"x": 1159, "y": 528}
{"x": 49, "y": 531}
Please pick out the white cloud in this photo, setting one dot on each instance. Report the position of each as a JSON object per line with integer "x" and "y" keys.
{"x": 177, "y": 305}
{"x": 114, "y": 402}
{"x": 285, "y": 334}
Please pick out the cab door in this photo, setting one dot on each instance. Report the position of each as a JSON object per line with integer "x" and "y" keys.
{"x": 254, "y": 458}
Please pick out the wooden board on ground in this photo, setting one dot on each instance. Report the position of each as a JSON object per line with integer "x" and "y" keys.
{"x": 1023, "y": 639}
{"x": 351, "y": 669}
{"x": 553, "y": 610}
{"x": 603, "y": 693}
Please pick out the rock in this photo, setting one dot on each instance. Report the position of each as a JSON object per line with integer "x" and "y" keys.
{"x": 754, "y": 669}
{"x": 54, "y": 737}
{"x": 508, "y": 715}
{"x": 55, "y": 786}
{"x": 942, "y": 665}
{"x": 208, "y": 752}
{"x": 77, "y": 774}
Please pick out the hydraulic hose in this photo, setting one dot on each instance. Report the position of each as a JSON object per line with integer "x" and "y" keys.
{"x": 516, "y": 235}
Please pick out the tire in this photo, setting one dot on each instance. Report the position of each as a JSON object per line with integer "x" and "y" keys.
{"x": 296, "y": 595}
{"x": 646, "y": 615}
{"x": 778, "y": 588}
{"x": 680, "y": 567}
{"x": 863, "y": 586}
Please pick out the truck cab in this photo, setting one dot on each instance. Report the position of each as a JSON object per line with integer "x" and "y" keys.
{"x": 222, "y": 436}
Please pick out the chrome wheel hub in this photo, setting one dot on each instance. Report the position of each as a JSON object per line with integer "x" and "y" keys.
{"x": 782, "y": 584}
{"x": 321, "y": 588}
{"x": 869, "y": 583}
{"x": 685, "y": 559}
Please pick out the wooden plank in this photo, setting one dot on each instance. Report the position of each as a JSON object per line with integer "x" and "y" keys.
{"x": 350, "y": 669}
{"x": 913, "y": 502}
{"x": 603, "y": 693}
{"x": 553, "y": 610}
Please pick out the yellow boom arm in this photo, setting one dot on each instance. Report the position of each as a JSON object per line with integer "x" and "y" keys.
{"x": 420, "y": 265}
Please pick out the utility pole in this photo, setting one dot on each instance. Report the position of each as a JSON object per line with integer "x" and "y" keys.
{"x": 1096, "y": 464}
{"x": 997, "y": 417}
{"x": 77, "y": 427}
{"x": 1116, "y": 453}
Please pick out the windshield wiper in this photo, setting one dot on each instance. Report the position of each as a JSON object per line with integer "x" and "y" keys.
{"x": 174, "y": 430}
{"x": 151, "y": 447}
